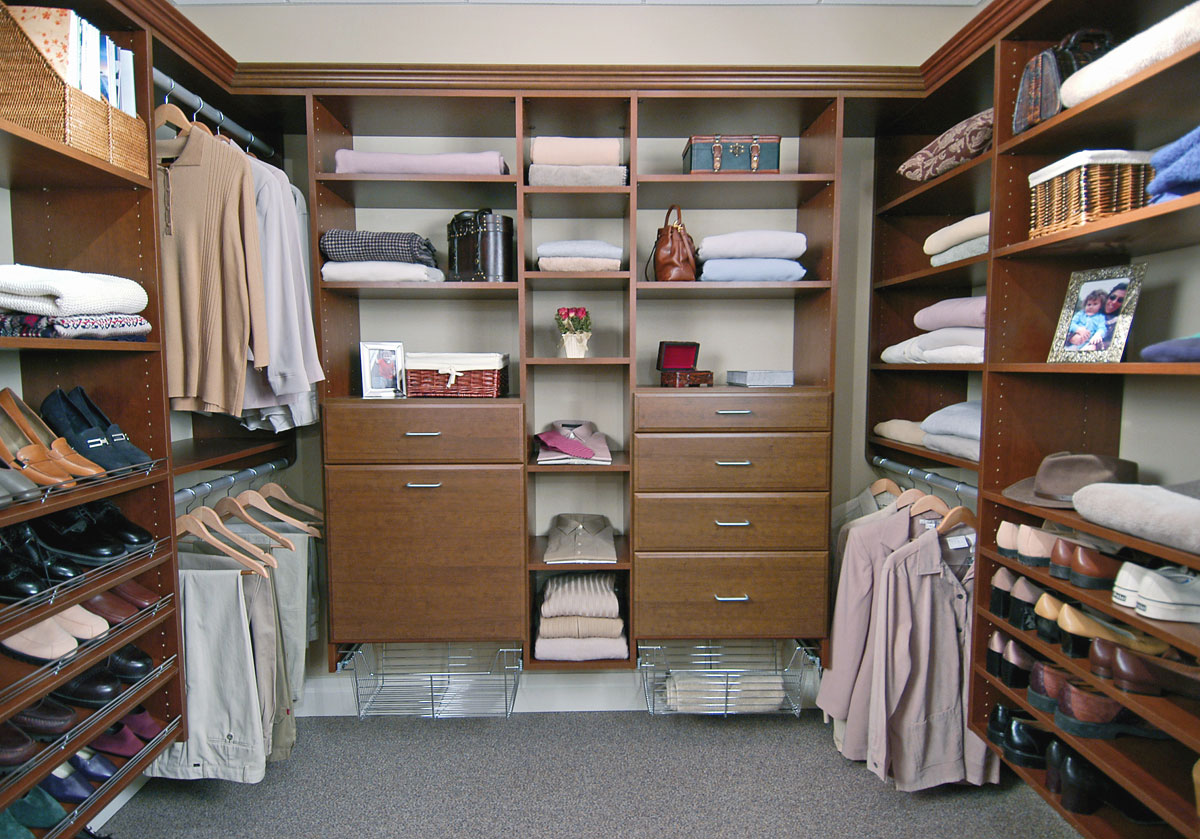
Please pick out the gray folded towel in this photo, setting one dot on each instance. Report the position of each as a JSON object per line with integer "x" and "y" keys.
{"x": 541, "y": 174}
{"x": 1163, "y": 514}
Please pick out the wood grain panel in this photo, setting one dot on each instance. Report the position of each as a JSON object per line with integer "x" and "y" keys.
{"x": 363, "y": 431}
{"x": 675, "y": 596}
{"x": 748, "y": 521}
{"x": 771, "y": 461}
{"x": 794, "y": 410}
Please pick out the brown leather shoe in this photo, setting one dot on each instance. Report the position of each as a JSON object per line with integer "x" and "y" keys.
{"x": 1100, "y": 657}
{"x": 16, "y": 747}
{"x": 1046, "y": 684}
{"x": 1060, "y": 558}
{"x": 1087, "y": 713}
{"x": 35, "y": 428}
{"x": 110, "y": 607}
{"x": 136, "y": 594}
{"x": 1092, "y": 569}
{"x": 29, "y": 457}
{"x": 1079, "y": 628}
{"x": 1139, "y": 673}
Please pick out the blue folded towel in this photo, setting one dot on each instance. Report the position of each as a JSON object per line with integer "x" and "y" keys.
{"x": 592, "y": 248}
{"x": 1174, "y": 150}
{"x": 1177, "y": 166}
{"x": 752, "y": 270}
{"x": 1176, "y": 349}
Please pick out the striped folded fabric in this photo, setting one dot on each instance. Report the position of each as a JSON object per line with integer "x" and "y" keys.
{"x": 377, "y": 246}
{"x": 112, "y": 325}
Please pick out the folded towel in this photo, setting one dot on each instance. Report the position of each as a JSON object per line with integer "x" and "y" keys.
{"x": 916, "y": 350}
{"x": 585, "y": 595}
{"x": 48, "y": 291}
{"x": 776, "y": 244}
{"x": 1160, "y": 41}
{"x": 902, "y": 431}
{"x": 1175, "y": 149}
{"x": 577, "y": 626}
{"x": 546, "y": 175}
{"x": 96, "y": 327}
{"x": 1176, "y": 166}
{"x": 575, "y": 151}
{"x": 580, "y": 649}
{"x": 963, "y": 250}
{"x": 897, "y": 353}
{"x": 393, "y": 163}
{"x": 1086, "y": 158}
{"x": 971, "y": 227}
{"x": 374, "y": 271}
{"x": 581, "y": 247}
{"x": 577, "y": 263}
{"x": 954, "y": 311}
{"x": 958, "y": 354}
{"x": 724, "y": 693}
{"x": 962, "y": 419}
{"x": 752, "y": 271}
{"x": 1166, "y": 515}
{"x": 366, "y": 245}
{"x": 962, "y": 447}
{"x": 1177, "y": 349}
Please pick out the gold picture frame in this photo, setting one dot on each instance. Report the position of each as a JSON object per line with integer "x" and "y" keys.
{"x": 1088, "y": 333}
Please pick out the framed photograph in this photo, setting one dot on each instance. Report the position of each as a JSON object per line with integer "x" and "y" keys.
{"x": 382, "y": 369}
{"x": 1096, "y": 314}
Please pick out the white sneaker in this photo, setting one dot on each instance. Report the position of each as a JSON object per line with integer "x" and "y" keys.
{"x": 1129, "y": 580}
{"x": 1170, "y": 597}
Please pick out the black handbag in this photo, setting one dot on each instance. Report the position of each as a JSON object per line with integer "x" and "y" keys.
{"x": 1038, "y": 94}
{"x": 481, "y": 247}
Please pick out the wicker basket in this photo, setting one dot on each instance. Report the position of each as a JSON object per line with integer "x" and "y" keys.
{"x": 1084, "y": 187}
{"x": 35, "y": 97}
{"x": 474, "y": 374}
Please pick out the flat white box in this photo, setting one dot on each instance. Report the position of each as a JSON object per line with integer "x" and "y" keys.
{"x": 760, "y": 378}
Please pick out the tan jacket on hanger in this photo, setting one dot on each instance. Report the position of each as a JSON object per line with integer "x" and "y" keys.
{"x": 212, "y": 285}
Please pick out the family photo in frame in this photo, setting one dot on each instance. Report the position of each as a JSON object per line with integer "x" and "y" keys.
{"x": 1096, "y": 314}
{"x": 382, "y": 369}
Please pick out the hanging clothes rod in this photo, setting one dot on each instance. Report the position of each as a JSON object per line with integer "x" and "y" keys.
{"x": 190, "y": 101}
{"x": 959, "y": 488}
{"x": 200, "y": 490}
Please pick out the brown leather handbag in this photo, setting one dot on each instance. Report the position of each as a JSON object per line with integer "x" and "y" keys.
{"x": 674, "y": 256}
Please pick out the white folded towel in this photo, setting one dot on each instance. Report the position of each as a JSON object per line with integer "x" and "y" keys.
{"x": 577, "y": 263}
{"x": 770, "y": 244}
{"x": 51, "y": 292}
{"x": 380, "y": 272}
{"x": 957, "y": 233}
{"x": 580, "y": 247}
{"x": 580, "y": 649}
{"x": 587, "y": 595}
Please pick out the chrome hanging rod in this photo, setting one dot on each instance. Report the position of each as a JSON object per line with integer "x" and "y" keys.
{"x": 959, "y": 488}
{"x": 189, "y": 101}
{"x": 204, "y": 488}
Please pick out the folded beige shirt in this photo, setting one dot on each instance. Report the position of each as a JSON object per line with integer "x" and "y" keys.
{"x": 578, "y": 626}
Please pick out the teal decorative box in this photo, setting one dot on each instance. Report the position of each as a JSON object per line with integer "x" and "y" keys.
{"x": 737, "y": 153}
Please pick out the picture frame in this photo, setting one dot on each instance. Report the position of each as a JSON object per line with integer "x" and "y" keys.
{"x": 382, "y": 364}
{"x": 1094, "y": 306}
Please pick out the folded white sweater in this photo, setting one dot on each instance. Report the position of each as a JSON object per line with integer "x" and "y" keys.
{"x": 51, "y": 292}
{"x": 972, "y": 227}
{"x": 587, "y": 595}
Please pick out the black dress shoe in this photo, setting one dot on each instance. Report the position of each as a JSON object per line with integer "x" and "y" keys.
{"x": 67, "y": 532}
{"x": 1055, "y": 752}
{"x": 67, "y": 420}
{"x": 106, "y": 516}
{"x": 1025, "y": 743}
{"x": 93, "y": 688}
{"x": 15, "y": 746}
{"x": 16, "y": 581}
{"x": 23, "y": 543}
{"x": 130, "y": 664}
{"x": 1085, "y": 789}
{"x": 46, "y": 720}
{"x": 1000, "y": 720}
{"x": 79, "y": 398}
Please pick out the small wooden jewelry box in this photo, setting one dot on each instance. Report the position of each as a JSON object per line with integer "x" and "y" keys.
{"x": 687, "y": 378}
{"x": 677, "y": 365}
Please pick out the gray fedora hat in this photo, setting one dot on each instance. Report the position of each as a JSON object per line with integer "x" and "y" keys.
{"x": 1060, "y": 474}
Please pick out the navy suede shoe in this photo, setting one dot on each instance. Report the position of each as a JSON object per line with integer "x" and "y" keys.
{"x": 92, "y": 765}
{"x": 79, "y": 398}
{"x": 84, "y": 437}
{"x": 65, "y": 784}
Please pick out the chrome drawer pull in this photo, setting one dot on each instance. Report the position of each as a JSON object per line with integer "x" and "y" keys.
{"x": 732, "y": 523}
{"x": 733, "y": 463}
{"x": 422, "y": 434}
{"x": 731, "y": 411}
{"x": 411, "y": 485}
{"x": 742, "y": 599}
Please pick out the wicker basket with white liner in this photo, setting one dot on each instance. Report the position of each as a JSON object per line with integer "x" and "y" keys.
{"x": 478, "y": 374}
{"x": 1086, "y": 186}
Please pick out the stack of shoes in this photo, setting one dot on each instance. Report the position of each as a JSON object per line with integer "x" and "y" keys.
{"x": 21, "y": 545}
{"x": 752, "y": 256}
{"x": 89, "y": 431}
{"x": 580, "y": 620}
{"x": 576, "y": 161}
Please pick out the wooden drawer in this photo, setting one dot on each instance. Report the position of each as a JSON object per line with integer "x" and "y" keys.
{"x": 791, "y": 410}
{"x": 423, "y": 553}
{"x": 730, "y": 595}
{"x": 768, "y": 461}
{"x": 707, "y": 521}
{"x": 374, "y": 431}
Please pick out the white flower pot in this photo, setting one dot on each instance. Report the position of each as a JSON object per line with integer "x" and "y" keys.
{"x": 575, "y": 344}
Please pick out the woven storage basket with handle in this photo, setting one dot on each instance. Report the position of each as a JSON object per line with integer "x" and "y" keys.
{"x": 474, "y": 374}
{"x": 1091, "y": 190}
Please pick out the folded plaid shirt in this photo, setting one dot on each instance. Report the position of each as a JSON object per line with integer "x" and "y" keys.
{"x": 370, "y": 246}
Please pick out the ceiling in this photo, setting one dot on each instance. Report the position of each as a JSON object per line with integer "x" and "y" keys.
{"x": 597, "y": 2}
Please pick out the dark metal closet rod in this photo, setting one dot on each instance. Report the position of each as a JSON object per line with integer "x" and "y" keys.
{"x": 959, "y": 488}
{"x": 200, "y": 490}
{"x": 189, "y": 101}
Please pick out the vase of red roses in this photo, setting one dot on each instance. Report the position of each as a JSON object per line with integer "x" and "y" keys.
{"x": 574, "y": 330}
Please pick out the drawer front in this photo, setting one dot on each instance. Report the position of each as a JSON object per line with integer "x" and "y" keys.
{"x": 362, "y": 431}
{"x": 731, "y": 522}
{"x": 769, "y": 461}
{"x": 749, "y": 411}
{"x": 425, "y": 553}
{"x": 730, "y": 595}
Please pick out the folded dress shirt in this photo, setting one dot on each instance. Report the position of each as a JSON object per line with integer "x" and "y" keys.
{"x": 573, "y": 442}
{"x": 580, "y": 537}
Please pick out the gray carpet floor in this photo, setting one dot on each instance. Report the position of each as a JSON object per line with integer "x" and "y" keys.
{"x": 575, "y": 776}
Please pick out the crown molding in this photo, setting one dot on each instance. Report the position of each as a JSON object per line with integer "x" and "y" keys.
{"x": 170, "y": 25}
{"x": 976, "y": 36}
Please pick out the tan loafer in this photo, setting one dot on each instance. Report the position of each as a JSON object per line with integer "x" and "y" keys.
{"x": 35, "y": 428}
{"x": 1079, "y": 628}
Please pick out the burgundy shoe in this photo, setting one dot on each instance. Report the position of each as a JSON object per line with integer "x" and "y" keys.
{"x": 137, "y": 594}
{"x": 1087, "y": 713}
{"x": 118, "y": 740}
{"x": 142, "y": 724}
{"x": 1046, "y": 683}
{"x": 110, "y": 607}
{"x": 15, "y": 746}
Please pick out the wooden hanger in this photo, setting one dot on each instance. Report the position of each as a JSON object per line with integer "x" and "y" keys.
{"x": 202, "y": 127}
{"x": 210, "y": 519}
{"x": 927, "y": 504}
{"x": 169, "y": 115}
{"x": 909, "y": 496}
{"x": 251, "y": 498}
{"x": 189, "y": 524}
{"x": 230, "y": 507}
{"x": 885, "y": 485}
{"x": 956, "y": 516}
{"x": 274, "y": 490}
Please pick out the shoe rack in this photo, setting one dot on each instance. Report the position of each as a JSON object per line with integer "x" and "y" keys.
{"x": 1032, "y": 408}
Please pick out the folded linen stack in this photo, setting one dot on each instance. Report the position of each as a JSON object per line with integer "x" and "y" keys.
{"x": 955, "y": 334}
{"x": 955, "y": 429}
{"x": 576, "y": 161}
{"x": 724, "y": 692}
{"x": 581, "y": 619}
{"x": 365, "y": 256}
{"x": 51, "y": 303}
{"x": 1176, "y": 168}
{"x": 753, "y": 256}
{"x": 960, "y": 240}
{"x": 392, "y": 163}
{"x": 573, "y": 442}
{"x": 579, "y": 255}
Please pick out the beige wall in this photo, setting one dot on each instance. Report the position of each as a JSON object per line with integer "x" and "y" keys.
{"x": 554, "y": 34}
